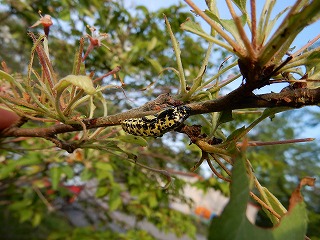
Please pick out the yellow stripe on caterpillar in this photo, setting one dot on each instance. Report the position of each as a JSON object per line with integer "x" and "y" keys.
{"x": 158, "y": 124}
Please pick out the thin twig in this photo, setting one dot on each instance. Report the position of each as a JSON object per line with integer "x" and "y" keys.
{"x": 263, "y": 204}
{"x": 253, "y": 25}
{"x": 44, "y": 200}
{"x": 288, "y": 141}
{"x": 306, "y": 46}
{"x": 216, "y": 172}
{"x": 216, "y": 159}
{"x": 242, "y": 33}
{"x": 113, "y": 71}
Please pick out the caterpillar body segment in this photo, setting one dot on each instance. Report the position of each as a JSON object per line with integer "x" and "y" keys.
{"x": 158, "y": 124}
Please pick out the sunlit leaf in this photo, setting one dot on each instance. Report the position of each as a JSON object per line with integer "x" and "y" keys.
{"x": 288, "y": 30}
{"x": 82, "y": 82}
{"x": 6, "y": 76}
{"x": 152, "y": 44}
{"x": 194, "y": 27}
{"x": 313, "y": 69}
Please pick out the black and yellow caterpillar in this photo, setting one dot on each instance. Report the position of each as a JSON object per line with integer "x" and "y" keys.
{"x": 158, "y": 124}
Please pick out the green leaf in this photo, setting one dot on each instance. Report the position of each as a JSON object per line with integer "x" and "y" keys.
{"x": 270, "y": 112}
{"x": 305, "y": 14}
{"x": 68, "y": 171}
{"x": 235, "y": 134}
{"x": 86, "y": 174}
{"x": 6, "y": 76}
{"x": 234, "y": 225}
{"x": 313, "y": 68}
{"x": 143, "y": 9}
{"x": 31, "y": 160}
{"x": 155, "y": 64}
{"x": 25, "y": 214}
{"x": 55, "y": 173}
{"x": 228, "y": 24}
{"x": 101, "y": 192}
{"x": 83, "y": 82}
{"x": 241, "y": 4}
{"x": 12, "y": 165}
{"x": 133, "y": 139}
{"x": 293, "y": 225}
{"x": 36, "y": 219}
{"x": 7, "y": 170}
{"x": 20, "y": 205}
{"x": 265, "y": 25}
{"x": 104, "y": 166}
{"x": 152, "y": 44}
{"x": 115, "y": 198}
{"x": 195, "y": 28}
{"x": 103, "y": 174}
{"x": 152, "y": 200}
{"x": 146, "y": 211}
{"x": 274, "y": 203}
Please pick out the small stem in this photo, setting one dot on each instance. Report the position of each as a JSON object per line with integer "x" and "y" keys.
{"x": 224, "y": 83}
{"x": 177, "y": 51}
{"x": 219, "y": 73}
{"x": 204, "y": 146}
{"x": 204, "y": 156}
{"x": 263, "y": 204}
{"x": 44, "y": 200}
{"x": 113, "y": 71}
{"x": 259, "y": 143}
{"x": 216, "y": 172}
{"x": 197, "y": 81}
{"x": 72, "y": 101}
{"x": 253, "y": 25}
{"x": 242, "y": 33}
{"x": 306, "y": 46}
{"x": 221, "y": 164}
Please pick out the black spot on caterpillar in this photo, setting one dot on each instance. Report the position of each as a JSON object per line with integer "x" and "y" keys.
{"x": 158, "y": 124}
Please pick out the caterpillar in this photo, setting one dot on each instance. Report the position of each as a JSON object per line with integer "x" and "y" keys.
{"x": 158, "y": 124}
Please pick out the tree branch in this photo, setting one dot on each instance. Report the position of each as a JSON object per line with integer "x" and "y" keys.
{"x": 295, "y": 99}
{"x": 237, "y": 99}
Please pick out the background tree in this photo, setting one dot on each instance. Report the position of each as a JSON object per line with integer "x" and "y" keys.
{"x": 138, "y": 42}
